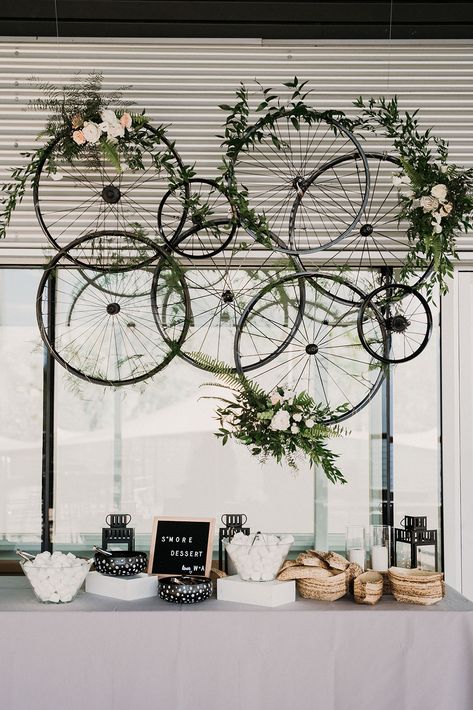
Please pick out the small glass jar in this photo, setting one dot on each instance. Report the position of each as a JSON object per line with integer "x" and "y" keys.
{"x": 380, "y": 547}
{"x": 355, "y": 545}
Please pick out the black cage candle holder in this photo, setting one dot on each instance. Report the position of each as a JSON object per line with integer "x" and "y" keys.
{"x": 233, "y": 524}
{"x": 118, "y": 533}
{"x": 415, "y": 535}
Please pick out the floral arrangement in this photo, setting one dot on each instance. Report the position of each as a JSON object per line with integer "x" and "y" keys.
{"x": 84, "y": 120}
{"x": 435, "y": 196}
{"x": 279, "y": 425}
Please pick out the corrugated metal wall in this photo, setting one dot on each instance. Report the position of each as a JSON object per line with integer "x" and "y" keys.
{"x": 182, "y": 83}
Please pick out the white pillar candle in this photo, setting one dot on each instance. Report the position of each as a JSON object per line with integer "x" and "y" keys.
{"x": 357, "y": 554}
{"x": 379, "y": 558}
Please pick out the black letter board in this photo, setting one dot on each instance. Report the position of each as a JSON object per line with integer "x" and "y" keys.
{"x": 181, "y": 546}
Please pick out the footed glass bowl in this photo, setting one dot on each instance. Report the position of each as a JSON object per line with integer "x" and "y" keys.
{"x": 56, "y": 584}
{"x": 258, "y": 558}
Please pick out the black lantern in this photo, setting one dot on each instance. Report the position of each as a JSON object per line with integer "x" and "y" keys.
{"x": 118, "y": 533}
{"x": 233, "y": 524}
{"x": 414, "y": 535}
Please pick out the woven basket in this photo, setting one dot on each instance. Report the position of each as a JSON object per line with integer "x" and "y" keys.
{"x": 368, "y": 588}
{"x": 328, "y": 590}
{"x": 414, "y": 586}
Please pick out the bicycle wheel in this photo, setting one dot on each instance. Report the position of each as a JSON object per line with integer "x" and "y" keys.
{"x": 324, "y": 356}
{"x": 196, "y": 219}
{"x": 219, "y": 289}
{"x": 408, "y": 322}
{"x": 108, "y": 337}
{"x": 280, "y": 171}
{"x": 93, "y": 196}
{"x": 379, "y": 241}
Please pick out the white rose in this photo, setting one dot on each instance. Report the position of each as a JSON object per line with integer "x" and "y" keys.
{"x": 276, "y": 398}
{"x": 437, "y": 228}
{"x": 443, "y": 169}
{"x": 446, "y": 209}
{"x": 91, "y": 131}
{"x": 295, "y": 429}
{"x": 437, "y": 217}
{"x": 407, "y": 192}
{"x": 297, "y": 417}
{"x": 280, "y": 421}
{"x": 116, "y": 131}
{"x": 309, "y": 423}
{"x": 428, "y": 203}
{"x": 396, "y": 180}
{"x": 440, "y": 192}
{"x": 108, "y": 116}
{"x": 405, "y": 179}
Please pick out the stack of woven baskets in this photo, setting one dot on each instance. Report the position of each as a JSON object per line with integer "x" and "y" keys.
{"x": 416, "y": 586}
{"x": 320, "y": 575}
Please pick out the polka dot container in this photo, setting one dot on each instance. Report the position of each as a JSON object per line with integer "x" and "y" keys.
{"x": 185, "y": 590}
{"x": 121, "y": 564}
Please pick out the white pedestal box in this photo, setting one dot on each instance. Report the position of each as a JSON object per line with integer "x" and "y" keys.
{"x": 275, "y": 593}
{"x": 127, "y": 588}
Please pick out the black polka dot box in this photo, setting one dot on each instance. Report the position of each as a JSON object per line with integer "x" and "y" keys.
{"x": 185, "y": 590}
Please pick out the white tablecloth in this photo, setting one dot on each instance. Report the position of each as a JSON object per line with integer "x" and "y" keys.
{"x": 103, "y": 654}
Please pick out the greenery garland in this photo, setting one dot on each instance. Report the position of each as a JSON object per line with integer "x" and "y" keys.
{"x": 281, "y": 425}
{"x": 435, "y": 196}
{"x": 85, "y": 121}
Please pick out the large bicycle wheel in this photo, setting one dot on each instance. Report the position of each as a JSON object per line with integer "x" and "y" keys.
{"x": 379, "y": 241}
{"x": 408, "y": 322}
{"x": 107, "y": 335}
{"x": 219, "y": 290}
{"x": 91, "y": 195}
{"x": 196, "y": 219}
{"x": 324, "y": 356}
{"x": 284, "y": 172}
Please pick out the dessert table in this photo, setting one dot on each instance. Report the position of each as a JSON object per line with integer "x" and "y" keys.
{"x": 101, "y": 653}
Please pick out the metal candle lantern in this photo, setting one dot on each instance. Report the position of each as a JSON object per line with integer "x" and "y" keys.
{"x": 118, "y": 533}
{"x": 414, "y": 533}
{"x": 233, "y": 524}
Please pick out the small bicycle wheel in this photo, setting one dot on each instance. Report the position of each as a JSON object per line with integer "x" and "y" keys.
{"x": 219, "y": 289}
{"x": 407, "y": 319}
{"x": 379, "y": 241}
{"x": 281, "y": 172}
{"x": 196, "y": 219}
{"x": 88, "y": 194}
{"x": 108, "y": 337}
{"x": 323, "y": 355}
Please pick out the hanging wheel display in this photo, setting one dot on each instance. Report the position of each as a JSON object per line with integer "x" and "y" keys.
{"x": 378, "y": 242}
{"x": 219, "y": 289}
{"x": 87, "y": 193}
{"x": 291, "y": 175}
{"x": 323, "y": 355}
{"x": 107, "y": 335}
{"x": 196, "y": 219}
{"x": 408, "y": 322}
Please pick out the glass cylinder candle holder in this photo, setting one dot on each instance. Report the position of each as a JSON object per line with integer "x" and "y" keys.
{"x": 380, "y": 547}
{"x": 355, "y": 545}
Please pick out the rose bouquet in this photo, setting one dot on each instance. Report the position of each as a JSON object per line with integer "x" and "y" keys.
{"x": 280, "y": 425}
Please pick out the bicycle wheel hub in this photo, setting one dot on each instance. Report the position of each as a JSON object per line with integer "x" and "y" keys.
{"x": 366, "y": 230}
{"x": 111, "y": 194}
{"x": 299, "y": 185}
{"x": 113, "y": 309}
{"x": 312, "y": 349}
{"x": 227, "y": 296}
{"x": 397, "y": 324}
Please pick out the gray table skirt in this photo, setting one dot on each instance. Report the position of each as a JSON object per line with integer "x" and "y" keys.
{"x": 216, "y": 655}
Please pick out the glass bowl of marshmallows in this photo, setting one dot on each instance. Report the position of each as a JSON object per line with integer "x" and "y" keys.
{"x": 258, "y": 558}
{"x": 55, "y": 577}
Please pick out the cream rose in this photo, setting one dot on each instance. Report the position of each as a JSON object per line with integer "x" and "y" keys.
{"x": 396, "y": 179}
{"x": 109, "y": 116}
{"x": 116, "y": 131}
{"x": 91, "y": 131}
{"x": 78, "y": 137}
{"x": 295, "y": 429}
{"x": 443, "y": 169}
{"x": 280, "y": 421}
{"x": 126, "y": 121}
{"x": 446, "y": 209}
{"x": 440, "y": 192}
{"x": 428, "y": 203}
{"x": 437, "y": 228}
{"x": 309, "y": 423}
{"x": 276, "y": 398}
{"x": 297, "y": 417}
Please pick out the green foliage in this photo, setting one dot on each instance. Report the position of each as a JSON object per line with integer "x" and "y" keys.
{"x": 250, "y": 415}
{"x": 424, "y": 159}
